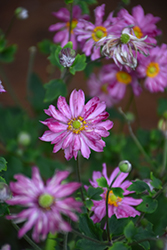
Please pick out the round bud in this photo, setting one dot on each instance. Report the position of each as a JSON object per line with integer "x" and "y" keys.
{"x": 130, "y": 117}
{"x": 5, "y": 192}
{"x": 67, "y": 57}
{"x": 24, "y": 138}
{"x": 21, "y": 13}
{"x": 125, "y": 166}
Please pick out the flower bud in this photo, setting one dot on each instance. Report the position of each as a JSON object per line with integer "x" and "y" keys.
{"x": 5, "y": 192}
{"x": 2, "y": 88}
{"x": 130, "y": 116}
{"x": 67, "y": 57}
{"x": 162, "y": 126}
{"x": 125, "y": 166}
{"x": 24, "y": 138}
{"x": 21, "y": 13}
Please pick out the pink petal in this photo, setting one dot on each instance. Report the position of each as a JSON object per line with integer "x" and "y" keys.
{"x": 63, "y": 107}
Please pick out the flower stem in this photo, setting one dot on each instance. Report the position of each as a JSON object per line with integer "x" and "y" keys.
{"x": 69, "y": 36}
{"x": 10, "y": 25}
{"x": 65, "y": 241}
{"x": 51, "y": 242}
{"x": 91, "y": 239}
{"x": 27, "y": 238}
{"x": 78, "y": 175}
{"x": 164, "y": 158}
{"x": 108, "y": 230}
{"x": 136, "y": 140}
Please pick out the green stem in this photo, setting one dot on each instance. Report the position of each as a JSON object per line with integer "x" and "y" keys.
{"x": 107, "y": 227}
{"x": 164, "y": 158}
{"x": 91, "y": 239}
{"x": 65, "y": 241}
{"x": 98, "y": 59}
{"x": 30, "y": 67}
{"x": 51, "y": 242}
{"x": 78, "y": 175}
{"x": 27, "y": 238}
{"x": 136, "y": 140}
{"x": 10, "y": 25}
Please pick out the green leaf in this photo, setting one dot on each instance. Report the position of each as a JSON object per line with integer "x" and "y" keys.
{"x": 138, "y": 186}
{"x": 79, "y": 64}
{"x": 68, "y": 45}
{"x": 119, "y": 246}
{"x": 54, "y": 56}
{"x": 161, "y": 106}
{"x": 87, "y": 226}
{"x": 36, "y": 92}
{"x": 68, "y": 1}
{"x": 3, "y": 164}
{"x": 89, "y": 204}
{"x": 144, "y": 233}
{"x": 130, "y": 231}
{"x": 117, "y": 226}
{"x": 118, "y": 191}
{"x": 94, "y": 193}
{"x": 89, "y": 245}
{"x": 45, "y": 46}
{"x": 7, "y": 55}
{"x": 2, "y": 179}
{"x": 156, "y": 183}
{"x": 55, "y": 88}
{"x": 149, "y": 205}
{"x": 102, "y": 182}
{"x": 2, "y": 44}
{"x": 4, "y": 209}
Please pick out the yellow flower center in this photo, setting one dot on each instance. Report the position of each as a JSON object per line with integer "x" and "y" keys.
{"x": 104, "y": 88}
{"x": 113, "y": 199}
{"x": 137, "y": 32}
{"x": 98, "y": 33}
{"x": 73, "y": 24}
{"x": 76, "y": 125}
{"x": 123, "y": 77}
{"x": 152, "y": 69}
{"x": 45, "y": 200}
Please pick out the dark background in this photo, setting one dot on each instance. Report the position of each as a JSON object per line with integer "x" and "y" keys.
{"x": 27, "y": 33}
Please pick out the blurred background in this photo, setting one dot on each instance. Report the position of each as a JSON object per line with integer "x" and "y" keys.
{"x": 28, "y": 32}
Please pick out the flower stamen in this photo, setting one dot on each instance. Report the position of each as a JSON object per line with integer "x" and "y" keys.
{"x": 45, "y": 200}
{"x": 73, "y": 24}
{"x": 113, "y": 199}
{"x": 98, "y": 33}
{"x": 77, "y": 125}
{"x": 138, "y": 32}
{"x": 123, "y": 77}
{"x": 152, "y": 69}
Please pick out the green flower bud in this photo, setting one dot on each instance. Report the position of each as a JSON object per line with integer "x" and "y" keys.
{"x": 5, "y": 192}
{"x": 24, "y": 138}
{"x": 21, "y": 13}
{"x": 125, "y": 166}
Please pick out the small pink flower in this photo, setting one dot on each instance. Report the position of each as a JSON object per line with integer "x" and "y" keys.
{"x": 62, "y": 28}
{"x": 154, "y": 69}
{"x": 2, "y": 88}
{"x": 88, "y": 33}
{"x": 45, "y": 203}
{"x": 77, "y": 126}
{"x": 121, "y": 207}
{"x": 144, "y": 25}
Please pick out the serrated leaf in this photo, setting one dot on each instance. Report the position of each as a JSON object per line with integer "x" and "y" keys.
{"x": 55, "y": 88}
{"x": 119, "y": 246}
{"x": 144, "y": 233}
{"x": 89, "y": 204}
{"x": 118, "y": 191}
{"x": 87, "y": 226}
{"x": 45, "y": 46}
{"x": 156, "y": 183}
{"x": 94, "y": 193}
{"x": 2, "y": 179}
{"x": 138, "y": 186}
{"x": 68, "y": 45}
{"x": 3, "y": 164}
{"x": 54, "y": 56}
{"x": 149, "y": 205}
{"x": 90, "y": 245}
{"x": 79, "y": 64}
{"x": 102, "y": 182}
{"x": 130, "y": 231}
{"x": 117, "y": 226}
{"x": 4, "y": 209}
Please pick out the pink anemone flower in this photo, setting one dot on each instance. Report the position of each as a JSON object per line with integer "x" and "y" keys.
{"x": 77, "y": 126}
{"x": 62, "y": 28}
{"x": 45, "y": 203}
{"x": 2, "y": 88}
{"x": 88, "y": 33}
{"x": 144, "y": 25}
{"x": 154, "y": 69}
{"x": 121, "y": 207}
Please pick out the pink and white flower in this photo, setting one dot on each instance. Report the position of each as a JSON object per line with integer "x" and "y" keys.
{"x": 45, "y": 203}
{"x": 88, "y": 33}
{"x": 121, "y": 207}
{"x": 143, "y": 25}
{"x": 154, "y": 69}
{"x": 62, "y": 28}
{"x": 77, "y": 126}
{"x": 2, "y": 88}
{"x": 123, "y": 48}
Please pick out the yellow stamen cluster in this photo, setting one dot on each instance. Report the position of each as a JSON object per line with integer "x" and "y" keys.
{"x": 113, "y": 199}
{"x": 73, "y": 24}
{"x": 45, "y": 201}
{"x": 123, "y": 77}
{"x": 152, "y": 69}
{"x": 98, "y": 33}
{"x": 138, "y": 32}
{"x": 76, "y": 125}
{"x": 104, "y": 88}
